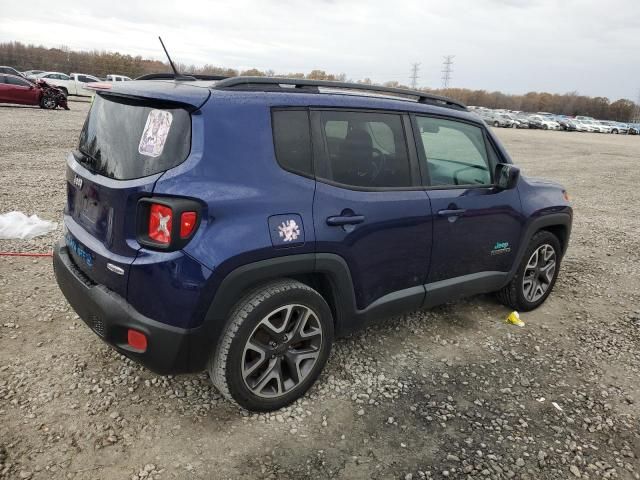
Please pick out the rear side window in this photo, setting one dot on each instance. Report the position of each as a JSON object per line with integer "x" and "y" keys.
{"x": 456, "y": 153}
{"x": 364, "y": 149}
{"x": 124, "y": 139}
{"x": 292, "y": 140}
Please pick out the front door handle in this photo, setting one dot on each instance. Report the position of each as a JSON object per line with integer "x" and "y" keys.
{"x": 341, "y": 220}
{"x": 449, "y": 213}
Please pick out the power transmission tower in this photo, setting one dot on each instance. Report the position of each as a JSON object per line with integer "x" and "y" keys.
{"x": 447, "y": 70}
{"x": 414, "y": 75}
{"x": 636, "y": 110}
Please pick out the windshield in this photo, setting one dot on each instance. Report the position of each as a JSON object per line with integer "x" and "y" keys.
{"x": 127, "y": 139}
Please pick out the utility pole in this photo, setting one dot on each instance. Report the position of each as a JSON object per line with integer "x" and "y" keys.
{"x": 414, "y": 75}
{"x": 447, "y": 70}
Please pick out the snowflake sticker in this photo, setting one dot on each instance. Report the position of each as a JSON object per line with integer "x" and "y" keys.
{"x": 289, "y": 231}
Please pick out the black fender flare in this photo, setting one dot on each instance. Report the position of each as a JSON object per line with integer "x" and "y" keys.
{"x": 242, "y": 279}
{"x": 557, "y": 219}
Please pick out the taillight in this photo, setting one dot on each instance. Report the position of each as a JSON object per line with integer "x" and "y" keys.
{"x": 187, "y": 223}
{"x": 167, "y": 223}
{"x": 160, "y": 222}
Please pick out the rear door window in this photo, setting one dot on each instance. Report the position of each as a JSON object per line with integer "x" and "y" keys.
{"x": 126, "y": 139}
{"x": 364, "y": 149}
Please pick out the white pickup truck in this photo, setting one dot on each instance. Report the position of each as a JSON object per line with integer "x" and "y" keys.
{"x": 73, "y": 84}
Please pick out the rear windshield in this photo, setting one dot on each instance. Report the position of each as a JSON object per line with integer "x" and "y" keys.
{"x": 126, "y": 139}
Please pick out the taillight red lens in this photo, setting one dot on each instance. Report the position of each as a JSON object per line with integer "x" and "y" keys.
{"x": 136, "y": 339}
{"x": 187, "y": 223}
{"x": 160, "y": 220}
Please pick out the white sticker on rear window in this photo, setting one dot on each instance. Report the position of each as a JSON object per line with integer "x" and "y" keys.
{"x": 155, "y": 133}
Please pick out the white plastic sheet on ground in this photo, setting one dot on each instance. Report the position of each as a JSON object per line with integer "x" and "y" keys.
{"x": 16, "y": 225}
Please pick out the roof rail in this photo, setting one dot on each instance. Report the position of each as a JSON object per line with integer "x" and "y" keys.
{"x": 313, "y": 86}
{"x": 171, "y": 76}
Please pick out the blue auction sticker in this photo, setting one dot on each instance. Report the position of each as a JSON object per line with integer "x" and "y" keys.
{"x": 80, "y": 250}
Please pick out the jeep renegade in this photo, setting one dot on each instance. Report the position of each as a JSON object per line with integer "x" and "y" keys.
{"x": 239, "y": 226}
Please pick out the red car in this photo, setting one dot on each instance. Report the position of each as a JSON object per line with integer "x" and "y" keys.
{"x": 14, "y": 89}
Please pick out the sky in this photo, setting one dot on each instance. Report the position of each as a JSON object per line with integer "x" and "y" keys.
{"x": 514, "y": 46}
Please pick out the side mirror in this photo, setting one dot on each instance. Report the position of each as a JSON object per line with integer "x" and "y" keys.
{"x": 506, "y": 176}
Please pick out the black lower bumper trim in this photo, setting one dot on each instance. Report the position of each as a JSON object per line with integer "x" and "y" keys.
{"x": 110, "y": 316}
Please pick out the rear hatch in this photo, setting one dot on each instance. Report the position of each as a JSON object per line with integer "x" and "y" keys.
{"x": 132, "y": 134}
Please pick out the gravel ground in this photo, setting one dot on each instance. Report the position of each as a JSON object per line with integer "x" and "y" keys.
{"x": 454, "y": 392}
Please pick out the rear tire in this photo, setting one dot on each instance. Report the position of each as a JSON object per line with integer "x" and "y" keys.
{"x": 536, "y": 276}
{"x": 496, "y": 124}
{"x": 274, "y": 346}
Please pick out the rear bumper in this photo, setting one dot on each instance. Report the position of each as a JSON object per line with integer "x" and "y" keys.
{"x": 110, "y": 316}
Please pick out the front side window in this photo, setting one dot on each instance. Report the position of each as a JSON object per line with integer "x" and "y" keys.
{"x": 364, "y": 149}
{"x": 17, "y": 81}
{"x": 455, "y": 152}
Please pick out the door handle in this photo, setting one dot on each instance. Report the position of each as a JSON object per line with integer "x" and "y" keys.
{"x": 450, "y": 213}
{"x": 340, "y": 220}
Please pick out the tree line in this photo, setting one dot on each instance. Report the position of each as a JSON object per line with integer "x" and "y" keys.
{"x": 101, "y": 63}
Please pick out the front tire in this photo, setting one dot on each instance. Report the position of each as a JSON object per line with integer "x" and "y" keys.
{"x": 536, "y": 274}
{"x": 274, "y": 346}
{"x": 48, "y": 102}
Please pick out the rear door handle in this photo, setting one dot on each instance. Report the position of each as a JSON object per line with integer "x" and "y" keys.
{"x": 449, "y": 213}
{"x": 345, "y": 220}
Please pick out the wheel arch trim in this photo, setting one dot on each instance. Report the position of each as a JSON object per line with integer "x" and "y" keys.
{"x": 545, "y": 222}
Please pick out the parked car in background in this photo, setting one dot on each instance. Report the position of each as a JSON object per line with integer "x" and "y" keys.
{"x": 567, "y": 124}
{"x": 73, "y": 84}
{"x": 523, "y": 118}
{"x": 10, "y": 71}
{"x": 117, "y": 78}
{"x": 586, "y": 126}
{"x": 582, "y": 126}
{"x": 616, "y": 127}
{"x": 543, "y": 122}
{"x": 32, "y": 74}
{"x": 510, "y": 119}
{"x": 494, "y": 119}
{"x": 22, "y": 91}
{"x": 603, "y": 126}
{"x": 634, "y": 129}
{"x": 518, "y": 122}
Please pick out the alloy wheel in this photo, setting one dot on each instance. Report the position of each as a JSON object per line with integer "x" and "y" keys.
{"x": 281, "y": 351}
{"x": 539, "y": 273}
{"x": 49, "y": 102}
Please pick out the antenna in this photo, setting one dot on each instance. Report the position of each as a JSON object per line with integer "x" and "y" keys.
{"x": 176, "y": 73}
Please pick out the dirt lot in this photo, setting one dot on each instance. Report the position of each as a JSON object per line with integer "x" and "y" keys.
{"x": 449, "y": 393}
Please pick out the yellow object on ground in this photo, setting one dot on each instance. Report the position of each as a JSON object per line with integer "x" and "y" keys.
{"x": 514, "y": 319}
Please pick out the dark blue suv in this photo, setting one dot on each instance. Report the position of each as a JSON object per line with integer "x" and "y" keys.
{"x": 239, "y": 226}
